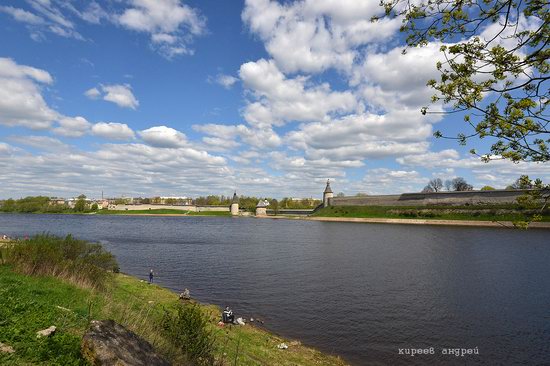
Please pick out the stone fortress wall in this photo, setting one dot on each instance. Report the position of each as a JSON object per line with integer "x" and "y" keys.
{"x": 233, "y": 208}
{"x": 495, "y": 197}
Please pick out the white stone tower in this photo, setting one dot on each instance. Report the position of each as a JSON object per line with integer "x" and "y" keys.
{"x": 235, "y": 205}
{"x": 261, "y": 208}
{"x": 327, "y": 194}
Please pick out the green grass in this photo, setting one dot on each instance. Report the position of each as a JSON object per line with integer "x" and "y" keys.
{"x": 163, "y": 212}
{"x": 29, "y": 304}
{"x": 255, "y": 346}
{"x": 477, "y": 213}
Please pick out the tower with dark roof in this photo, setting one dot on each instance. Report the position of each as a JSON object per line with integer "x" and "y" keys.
{"x": 235, "y": 205}
{"x": 327, "y": 194}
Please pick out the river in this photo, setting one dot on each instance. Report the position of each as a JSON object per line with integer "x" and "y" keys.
{"x": 361, "y": 291}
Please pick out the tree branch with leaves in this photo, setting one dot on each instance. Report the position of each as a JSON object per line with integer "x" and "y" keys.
{"x": 495, "y": 69}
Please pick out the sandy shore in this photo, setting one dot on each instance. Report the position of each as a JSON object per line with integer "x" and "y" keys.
{"x": 502, "y": 224}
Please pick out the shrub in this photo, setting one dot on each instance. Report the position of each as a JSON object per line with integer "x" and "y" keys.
{"x": 408, "y": 213}
{"x": 77, "y": 261}
{"x": 188, "y": 328}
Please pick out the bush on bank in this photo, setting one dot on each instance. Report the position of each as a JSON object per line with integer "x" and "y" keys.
{"x": 188, "y": 328}
{"x": 77, "y": 261}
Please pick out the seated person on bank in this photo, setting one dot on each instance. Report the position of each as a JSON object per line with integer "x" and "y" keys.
{"x": 185, "y": 295}
{"x": 227, "y": 315}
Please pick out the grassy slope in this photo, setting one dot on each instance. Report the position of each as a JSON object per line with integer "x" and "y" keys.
{"x": 164, "y": 212}
{"x": 436, "y": 213}
{"x": 28, "y": 304}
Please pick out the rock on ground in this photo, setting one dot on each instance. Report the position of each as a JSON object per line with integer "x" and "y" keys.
{"x": 107, "y": 343}
{"x": 4, "y": 348}
{"x": 46, "y": 332}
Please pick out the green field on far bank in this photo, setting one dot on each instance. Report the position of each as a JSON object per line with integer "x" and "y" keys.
{"x": 476, "y": 213}
{"x": 32, "y": 303}
{"x": 163, "y": 212}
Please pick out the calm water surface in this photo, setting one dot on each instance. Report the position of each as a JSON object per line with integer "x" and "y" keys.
{"x": 361, "y": 291}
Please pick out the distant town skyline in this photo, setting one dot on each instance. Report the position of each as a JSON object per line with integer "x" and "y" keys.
{"x": 190, "y": 98}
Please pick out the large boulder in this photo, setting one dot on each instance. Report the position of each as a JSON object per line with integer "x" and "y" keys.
{"x": 107, "y": 343}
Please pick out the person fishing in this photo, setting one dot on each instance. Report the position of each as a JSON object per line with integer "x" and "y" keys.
{"x": 151, "y": 276}
{"x": 227, "y": 315}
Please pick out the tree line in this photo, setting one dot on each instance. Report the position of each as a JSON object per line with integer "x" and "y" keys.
{"x": 250, "y": 202}
{"x": 43, "y": 204}
{"x": 459, "y": 184}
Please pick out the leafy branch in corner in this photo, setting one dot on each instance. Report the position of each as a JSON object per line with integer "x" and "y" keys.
{"x": 494, "y": 68}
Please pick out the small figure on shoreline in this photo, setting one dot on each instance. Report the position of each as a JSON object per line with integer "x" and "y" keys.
{"x": 151, "y": 276}
{"x": 227, "y": 316}
{"x": 185, "y": 295}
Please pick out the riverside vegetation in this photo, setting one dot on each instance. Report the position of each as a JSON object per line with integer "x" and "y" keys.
{"x": 511, "y": 212}
{"x": 47, "y": 280}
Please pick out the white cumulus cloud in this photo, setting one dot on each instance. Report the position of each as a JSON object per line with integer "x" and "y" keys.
{"x": 227, "y": 81}
{"x": 5, "y": 149}
{"x": 22, "y": 15}
{"x": 163, "y": 136}
{"x": 92, "y": 93}
{"x": 119, "y": 94}
{"x": 278, "y": 99}
{"x": 261, "y": 138}
{"x": 315, "y": 35}
{"x": 21, "y": 100}
{"x": 170, "y": 24}
{"x": 72, "y": 126}
{"x": 113, "y": 131}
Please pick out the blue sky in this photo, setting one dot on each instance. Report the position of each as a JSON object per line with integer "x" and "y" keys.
{"x": 169, "y": 97}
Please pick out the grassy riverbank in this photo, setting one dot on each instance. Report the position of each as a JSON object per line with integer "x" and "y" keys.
{"x": 509, "y": 213}
{"x": 31, "y": 303}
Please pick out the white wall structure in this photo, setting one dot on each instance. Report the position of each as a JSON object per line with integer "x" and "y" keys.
{"x": 191, "y": 208}
{"x": 261, "y": 208}
{"x": 235, "y": 205}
